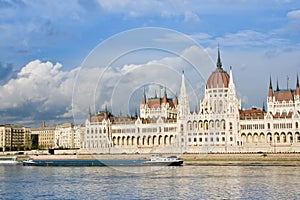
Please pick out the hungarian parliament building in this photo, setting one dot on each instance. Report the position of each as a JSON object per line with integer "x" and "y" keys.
{"x": 167, "y": 125}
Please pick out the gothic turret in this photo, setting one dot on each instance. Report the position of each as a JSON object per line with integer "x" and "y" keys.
{"x": 164, "y": 100}
{"x": 144, "y": 98}
{"x": 297, "y": 87}
{"x": 184, "y": 102}
{"x": 270, "y": 88}
{"x": 231, "y": 84}
{"x": 175, "y": 100}
{"x": 89, "y": 114}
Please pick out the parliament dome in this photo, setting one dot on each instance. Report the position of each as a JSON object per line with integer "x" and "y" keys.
{"x": 219, "y": 78}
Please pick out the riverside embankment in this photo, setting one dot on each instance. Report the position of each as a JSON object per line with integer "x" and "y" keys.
{"x": 193, "y": 159}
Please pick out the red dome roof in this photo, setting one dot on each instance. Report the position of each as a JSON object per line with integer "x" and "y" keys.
{"x": 218, "y": 79}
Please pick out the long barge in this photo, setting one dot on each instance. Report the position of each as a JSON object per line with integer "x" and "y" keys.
{"x": 155, "y": 160}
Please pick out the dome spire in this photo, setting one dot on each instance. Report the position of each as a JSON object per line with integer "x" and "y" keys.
{"x": 277, "y": 87}
{"x": 219, "y": 63}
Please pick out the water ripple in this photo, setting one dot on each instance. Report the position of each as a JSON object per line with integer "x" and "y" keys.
{"x": 187, "y": 182}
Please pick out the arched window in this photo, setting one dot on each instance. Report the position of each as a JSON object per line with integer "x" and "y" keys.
{"x": 230, "y": 125}
{"x": 223, "y": 125}
{"x": 217, "y": 124}
{"x": 200, "y": 125}
{"x": 220, "y": 106}
{"x": 296, "y": 124}
{"x": 206, "y": 125}
{"x": 211, "y": 124}
{"x": 195, "y": 126}
{"x": 190, "y": 126}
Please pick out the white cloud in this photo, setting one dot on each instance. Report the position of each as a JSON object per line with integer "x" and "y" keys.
{"x": 295, "y": 14}
{"x": 121, "y": 88}
{"x": 250, "y": 38}
{"x": 42, "y": 84}
{"x": 191, "y": 17}
{"x": 164, "y": 9}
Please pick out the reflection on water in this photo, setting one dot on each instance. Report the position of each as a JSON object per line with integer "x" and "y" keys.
{"x": 186, "y": 182}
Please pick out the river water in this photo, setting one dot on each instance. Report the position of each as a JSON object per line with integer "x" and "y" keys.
{"x": 185, "y": 182}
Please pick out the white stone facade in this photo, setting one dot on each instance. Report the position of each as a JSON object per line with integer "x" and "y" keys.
{"x": 67, "y": 136}
{"x": 220, "y": 125}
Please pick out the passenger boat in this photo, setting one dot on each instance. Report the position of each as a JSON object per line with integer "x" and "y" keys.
{"x": 8, "y": 160}
{"x": 157, "y": 159}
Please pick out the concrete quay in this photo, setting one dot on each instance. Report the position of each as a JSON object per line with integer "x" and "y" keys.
{"x": 192, "y": 159}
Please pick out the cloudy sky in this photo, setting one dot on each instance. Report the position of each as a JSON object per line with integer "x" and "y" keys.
{"x": 54, "y": 54}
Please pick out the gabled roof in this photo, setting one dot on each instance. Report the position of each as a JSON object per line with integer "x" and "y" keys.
{"x": 253, "y": 113}
{"x": 283, "y": 115}
{"x": 156, "y": 102}
{"x": 284, "y": 95}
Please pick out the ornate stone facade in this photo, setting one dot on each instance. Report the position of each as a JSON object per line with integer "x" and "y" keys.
{"x": 220, "y": 125}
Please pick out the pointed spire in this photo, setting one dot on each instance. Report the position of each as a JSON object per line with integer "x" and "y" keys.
{"x": 230, "y": 76}
{"x": 277, "y": 87}
{"x": 106, "y": 108}
{"x": 175, "y": 100}
{"x": 165, "y": 96}
{"x": 297, "y": 87}
{"x": 89, "y": 114}
{"x": 135, "y": 114}
{"x": 155, "y": 95}
{"x": 270, "y": 88}
{"x": 144, "y": 98}
{"x": 219, "y": 63}
{"x": 263, "y": 108}
{"x": 184, "y": 102}
{"x": 106, "y": 112}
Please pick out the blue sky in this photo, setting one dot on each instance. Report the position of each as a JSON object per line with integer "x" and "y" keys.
{"x": 43, "y": 44}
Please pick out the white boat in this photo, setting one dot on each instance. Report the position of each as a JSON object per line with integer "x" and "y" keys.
{"x": 157, "y": 159}
{"x": 8, "y": 160}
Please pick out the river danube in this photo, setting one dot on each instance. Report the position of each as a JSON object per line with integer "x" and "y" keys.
{"x": 185, "y": 182}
